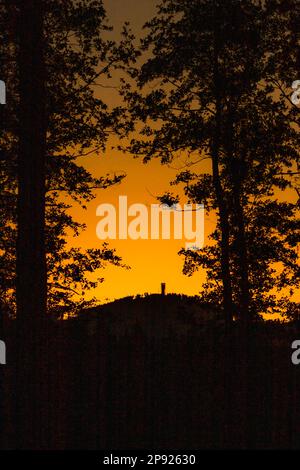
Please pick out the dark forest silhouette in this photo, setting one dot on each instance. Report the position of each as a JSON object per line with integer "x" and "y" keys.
{"x": 216, "y": 87}
{"x": 156, "y": 371}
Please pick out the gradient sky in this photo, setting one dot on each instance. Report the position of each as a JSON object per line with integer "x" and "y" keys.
{"x": 151, "y": 261}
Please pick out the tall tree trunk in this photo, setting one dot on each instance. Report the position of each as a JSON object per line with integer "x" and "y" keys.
{"x": 242, "y": 255}
{"x": 31, "y": 285}
{"x": 220, "y": 195}
{"x": 224, "y": 226}
{"x": 236, "y": 165}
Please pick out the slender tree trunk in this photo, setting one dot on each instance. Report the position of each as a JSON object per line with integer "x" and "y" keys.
{"x": 242, "y": 255}
{"x": 237, "y": 174}
{"x": 220, "y": 195}
{"x": 225, "y": 254}
{"x": 31, "y": 290}
{"x": 236, "y": 170}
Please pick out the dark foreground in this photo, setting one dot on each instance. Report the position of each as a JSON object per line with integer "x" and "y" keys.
{"x": 112, "y": 388}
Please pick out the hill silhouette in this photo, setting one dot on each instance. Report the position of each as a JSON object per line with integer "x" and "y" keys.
{"x": 162, "y": 372}
{"x": 153, "y": 315}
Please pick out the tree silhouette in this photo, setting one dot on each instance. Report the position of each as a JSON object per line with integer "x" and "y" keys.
{"x": 77, "y": 59}
{"x": 31, "y": 277}
{"x": 53, "y": 54}
{"x": 211, "y": 99}
{"x": 31, "y": 256}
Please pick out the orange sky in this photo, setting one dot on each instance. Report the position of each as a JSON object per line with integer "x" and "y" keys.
{"x": 151, "y": 261}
